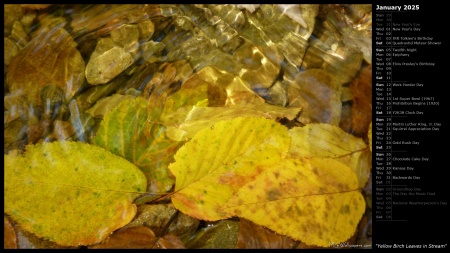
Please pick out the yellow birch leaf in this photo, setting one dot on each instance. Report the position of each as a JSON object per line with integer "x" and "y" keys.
{"x": 329, "y": 141}
{"x": 204, "y": 166}
{"x": 71, "y": 193}
{"x": 313, "y": 200}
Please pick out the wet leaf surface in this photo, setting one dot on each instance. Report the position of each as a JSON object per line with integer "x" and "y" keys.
{"x": 56, "y": 62}
{"x": 319, "y": 96}
{"x": 105, "y": 105}
{"x": 362, "y": 101}
{"x": 129, "y": 132}
{"x": 74, "y": 203}
{"x": 252, "y": 236}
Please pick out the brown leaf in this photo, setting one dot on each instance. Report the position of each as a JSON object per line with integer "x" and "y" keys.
{"x": 318, "y": 94}
{"x": 157, "y": 216}
{"x": 130, "y": 238}
{"x": 51, "y": 58}
{"x": 252, "y": 236}
{"x": 9, "y": 235}
{"x": 139, "y": 237}
{"x": 361, "y": 88}
{"x": 170, "y": 241}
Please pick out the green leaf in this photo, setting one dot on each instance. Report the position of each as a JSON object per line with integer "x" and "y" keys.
{"x": 127, "y": 131}
{"x": 71, "y": 193}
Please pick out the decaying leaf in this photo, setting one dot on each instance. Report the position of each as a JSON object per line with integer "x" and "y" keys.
{"x": 69, "y": 192}
{"x": 361, "y": 88}
{"x": 51, "y": 58}
{"x": 252, "y": 236}
{"x": 249, "y": 174}
{"x": 318, "y": 94}
{"x": 139, "y": 237}
{"x": 129, "y": 238}
{"x": 328, "y": 141}
{"x": 156, "y": 216}
{"x": 9, "y": 235}
{"x": 128, "y": 132}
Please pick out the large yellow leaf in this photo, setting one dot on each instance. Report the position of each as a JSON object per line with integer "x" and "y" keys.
{"x": 316, "y": 200}
{"x": 71, "y": 193}
{"x": 204, "y": 167}
{"x": 240, "y": 168}
{"x": 329, "y": 141}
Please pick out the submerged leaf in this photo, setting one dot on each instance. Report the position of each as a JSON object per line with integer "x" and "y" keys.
{"x": 361, "y": 88}
{"x": 126, "y": 131}
{"x": 139, "y": 237}
{"x": 252, "y": 236}
{"x": 104, "y": 105}
{"x": 201, "y": 117}
{"x": 156, "y": 216}
{"x": 129, "y": 238}
{"x": 318, "y": 94}
{"x": 69, "y": 192}
{"x": 217, "y": 235}
{"x": 51, "y": 58}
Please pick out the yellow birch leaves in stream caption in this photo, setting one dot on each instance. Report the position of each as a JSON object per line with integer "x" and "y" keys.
{"x": 257, "y": 169}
